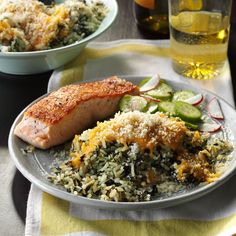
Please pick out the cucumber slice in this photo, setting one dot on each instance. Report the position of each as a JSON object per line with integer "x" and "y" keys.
{"x": 152, "y": 107}
{"x": 162, "y": 92}
{"x": 183, "y": 95}
{"x": 167, "y": 106}
{"x": 187, "y": 112}
{"x": 191, "y": 126}
{"x": 132, "y": 103}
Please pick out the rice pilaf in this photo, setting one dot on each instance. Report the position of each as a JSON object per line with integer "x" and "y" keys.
{"x": 137, "y": 156}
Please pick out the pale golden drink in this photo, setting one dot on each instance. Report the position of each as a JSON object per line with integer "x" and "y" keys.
{"x": 199, "y": 41}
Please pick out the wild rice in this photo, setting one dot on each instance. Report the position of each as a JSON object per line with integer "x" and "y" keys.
{"x": 127, "y": 172}
{"x": 31, "y": 25}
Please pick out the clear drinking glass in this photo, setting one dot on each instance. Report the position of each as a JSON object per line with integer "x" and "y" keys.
{"x": 199, "y": 32}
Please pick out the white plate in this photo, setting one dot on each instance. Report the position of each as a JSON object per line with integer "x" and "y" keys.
{"x": 35, "y": 167}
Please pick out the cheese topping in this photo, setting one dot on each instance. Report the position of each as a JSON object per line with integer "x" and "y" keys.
{"x": 147, "y": 130}
{"x": 31, "y": 25}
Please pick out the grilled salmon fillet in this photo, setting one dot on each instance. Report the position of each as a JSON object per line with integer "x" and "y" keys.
{"x": 71, "y": 109}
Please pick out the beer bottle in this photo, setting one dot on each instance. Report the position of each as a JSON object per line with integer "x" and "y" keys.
{"x": 152, "y": 15}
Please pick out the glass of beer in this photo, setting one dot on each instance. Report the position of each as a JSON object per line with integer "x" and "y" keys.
{"x": 199, "y": 32}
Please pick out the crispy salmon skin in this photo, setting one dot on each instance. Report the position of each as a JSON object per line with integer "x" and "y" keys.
{"x": 59, "y": 116}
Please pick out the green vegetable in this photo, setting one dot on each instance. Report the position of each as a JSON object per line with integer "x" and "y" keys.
{"x": 187, "y": 112}
{"x": 183, "y": 95}
{"x": 162, "y": 92}
{"x": 152, "y": 107}
{"x": 166, "y": 106}
{"x": 133, "y": 103}
{"x": 191, "y": 125}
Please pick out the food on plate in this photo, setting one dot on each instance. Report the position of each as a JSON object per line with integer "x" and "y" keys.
{"x": 157, "y": 95}
{"x": 133, "y": 103}
{"x": 31, "y": 25}
{"x": 214, "y": 109}
{"x": 163, "y": 91}
{"x": 57, "y": 117}
{"x": 147, "y": 144}
{"x": 149, "y": 84}
{"x": 136, "y": 156}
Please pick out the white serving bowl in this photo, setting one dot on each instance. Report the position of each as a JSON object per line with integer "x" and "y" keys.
{"x": 22, "y": 63}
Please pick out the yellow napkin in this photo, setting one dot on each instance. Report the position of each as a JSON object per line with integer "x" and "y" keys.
{"x": 132, "y": 57}
{"x": 213, "y": 214}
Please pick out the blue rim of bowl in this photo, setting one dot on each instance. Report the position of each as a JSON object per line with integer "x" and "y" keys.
{"x": 112, "y": 15}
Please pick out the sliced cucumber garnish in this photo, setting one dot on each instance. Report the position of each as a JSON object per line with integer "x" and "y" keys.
{"x": 166, "y": 106}
{"x": 191, "y": 125}
{"x": 183, "y": 95}
{"x": 162, "y": 92}
{"x": 187, "y": 112}
{"x": 152, "y": 107}
{"x": 132, "y": 103}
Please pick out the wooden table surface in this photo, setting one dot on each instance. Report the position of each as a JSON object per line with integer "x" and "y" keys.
{"x": 18, "y": 91}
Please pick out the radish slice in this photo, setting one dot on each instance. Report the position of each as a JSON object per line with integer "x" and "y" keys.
{"x": 195, "y": 100}
{"x": 149, "y": 98}
{"x": 209, "y": 127}
{"x": 214, "y": 109}
{"x": 151, "y": 84}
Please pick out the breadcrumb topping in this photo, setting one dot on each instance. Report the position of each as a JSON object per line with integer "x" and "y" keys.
{"x": 30, "y": 25}
{"x": 147, "y": 130}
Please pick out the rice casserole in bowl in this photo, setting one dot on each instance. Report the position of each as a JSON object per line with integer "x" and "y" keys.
{"x": 35, "y": 38}
{"x": 32, "y": 26}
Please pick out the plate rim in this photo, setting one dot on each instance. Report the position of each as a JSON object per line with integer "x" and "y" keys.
{"x": 159, "y": 203}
